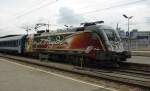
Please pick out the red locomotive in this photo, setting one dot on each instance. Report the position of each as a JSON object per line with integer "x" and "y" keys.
{"x": 97, "y": 42}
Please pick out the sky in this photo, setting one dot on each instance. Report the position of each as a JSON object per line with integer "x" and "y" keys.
{"x": 16, "y": 14}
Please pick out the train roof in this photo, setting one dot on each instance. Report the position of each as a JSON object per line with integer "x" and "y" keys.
{"x": 99, "y": 26}
{"x": 8, "y": 36}
{"x": 11, "y": 37}
{"x": 76, "y": 29}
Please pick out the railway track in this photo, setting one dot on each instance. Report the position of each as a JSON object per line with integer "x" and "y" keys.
{"x": 125, "y": 74}
{"x": 135, "y": 73}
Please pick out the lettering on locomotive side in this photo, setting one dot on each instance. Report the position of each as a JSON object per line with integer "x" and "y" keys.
{"x": 49, "y": 42}
{"x": 55, "y": 39}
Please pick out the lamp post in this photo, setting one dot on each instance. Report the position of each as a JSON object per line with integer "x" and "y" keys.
{"x": 129, "y": 36}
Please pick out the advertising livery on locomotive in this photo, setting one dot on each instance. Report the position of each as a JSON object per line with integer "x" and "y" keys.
{"x": 92, "y": 41}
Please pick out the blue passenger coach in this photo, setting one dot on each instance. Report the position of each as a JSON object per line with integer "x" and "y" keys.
{"x": 12, "y": 43}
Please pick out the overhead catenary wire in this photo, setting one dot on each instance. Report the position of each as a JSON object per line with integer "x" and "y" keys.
{"x": 23, "y": 13}
{"x": 30, "y": 7}
{"x": 109, "y": 8}
{"x": 31, "y": 11}
{"x": 37, "y": 8}
{"x": 88, "y": 12}
{"x": 115, "y": 6}
{"x": 112, "y": 7}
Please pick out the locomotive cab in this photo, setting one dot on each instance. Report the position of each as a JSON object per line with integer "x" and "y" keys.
{"x": 114, "y": 49}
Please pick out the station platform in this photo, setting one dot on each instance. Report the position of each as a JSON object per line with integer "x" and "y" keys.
{"x": 139, "y": 59}
{"x": 18, "y": 77}
{"x": 141, "y": 53}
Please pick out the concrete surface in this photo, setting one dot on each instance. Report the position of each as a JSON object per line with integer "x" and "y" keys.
{"x": 141, "y": 53}
{"x": 15, "y": 77}
{"x": 139, "y": 59}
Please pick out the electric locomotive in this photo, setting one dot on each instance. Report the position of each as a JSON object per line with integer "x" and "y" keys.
{"x": 93, "y": 41}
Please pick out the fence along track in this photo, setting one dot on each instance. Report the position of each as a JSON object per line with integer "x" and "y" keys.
{"x": 113, "y": 75}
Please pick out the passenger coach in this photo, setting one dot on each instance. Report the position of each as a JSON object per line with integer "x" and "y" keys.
{"x": 12, "y": 43}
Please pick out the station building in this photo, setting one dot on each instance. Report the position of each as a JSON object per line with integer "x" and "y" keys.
{"x": 138, "y": 39}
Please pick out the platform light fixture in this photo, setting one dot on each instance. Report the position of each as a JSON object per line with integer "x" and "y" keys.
{"x": 129, "y": 36}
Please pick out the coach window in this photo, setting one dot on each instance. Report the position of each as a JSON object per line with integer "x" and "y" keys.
{"x": 13, "y": 43}
{"x": 16, "y": 43}
{"x": 4, "y": 43}
{"x": 1, "y": 44}
{"x": 8, "y": 44}
{"x": 19, "y": 42}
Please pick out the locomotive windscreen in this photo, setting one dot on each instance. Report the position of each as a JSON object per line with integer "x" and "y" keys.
{"x": 112, "y": 35}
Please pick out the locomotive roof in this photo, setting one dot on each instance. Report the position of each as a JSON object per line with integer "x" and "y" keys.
{"x": 99, "y": 26}
{"x": 11, "y": 37}
{"x": 55, "y": 33}
{"x": 75, "y": 29}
